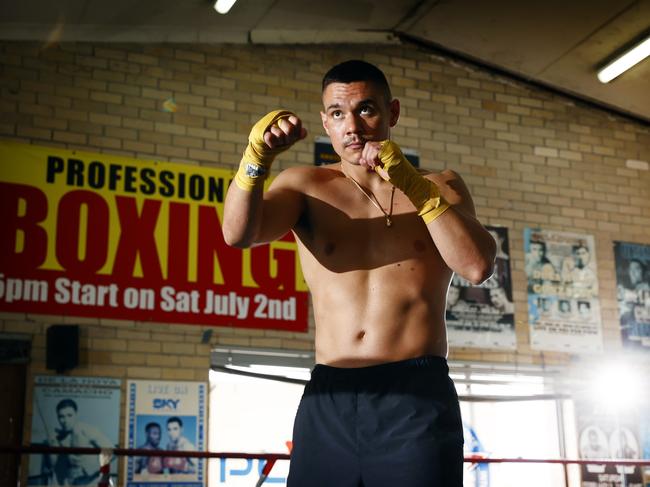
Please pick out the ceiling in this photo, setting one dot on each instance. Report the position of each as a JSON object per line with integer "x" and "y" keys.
{"x": 558, "y": 43}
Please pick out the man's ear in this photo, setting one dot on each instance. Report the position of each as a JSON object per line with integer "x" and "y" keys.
{"x": 323, "y": 117}
{"x": 394, "y": 112}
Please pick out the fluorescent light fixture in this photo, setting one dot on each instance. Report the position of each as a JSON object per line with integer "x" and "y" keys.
{"x": 624, "y": 62}
{"x": 224, "y": 6}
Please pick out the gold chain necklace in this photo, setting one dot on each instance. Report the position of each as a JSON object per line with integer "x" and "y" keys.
{"x": 373, "y": 199}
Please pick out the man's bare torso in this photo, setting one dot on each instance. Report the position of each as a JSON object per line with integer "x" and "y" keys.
{"x": 378, "y": 292}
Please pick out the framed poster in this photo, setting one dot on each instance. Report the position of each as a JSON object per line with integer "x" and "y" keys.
{"x": 604, "y": 434}
{"x": 563, "y": 305}
{"x": 166, "y": 416}
{"x": 633, "y": 293}
{"x": 69, "y": 412}
{"x": 483, "y": 316}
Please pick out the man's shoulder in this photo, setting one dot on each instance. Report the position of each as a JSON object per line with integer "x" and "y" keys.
{"x": 298, "y": 177}
{"x": 440, "y": 176}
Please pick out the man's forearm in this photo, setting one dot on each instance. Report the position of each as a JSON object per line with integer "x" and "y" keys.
{"x": 242, "y": 215}
{"x": 271, "y": 135}
{"x": 464, "y": 244}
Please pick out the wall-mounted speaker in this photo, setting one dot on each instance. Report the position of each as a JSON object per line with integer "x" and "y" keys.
{"x": 62, "y": 347}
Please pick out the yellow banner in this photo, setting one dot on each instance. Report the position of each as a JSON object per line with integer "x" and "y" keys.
{"x": 91, "y": 216}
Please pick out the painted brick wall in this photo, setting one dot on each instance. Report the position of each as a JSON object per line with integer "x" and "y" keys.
{"x": 530, "y": 157}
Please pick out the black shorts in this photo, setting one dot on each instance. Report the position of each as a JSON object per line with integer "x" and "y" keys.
{"x": 396, "y": 424}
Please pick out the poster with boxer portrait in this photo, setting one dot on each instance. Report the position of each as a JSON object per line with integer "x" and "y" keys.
{"x": 169, "y": 416}
{"x": 633, "y": 293}
{"x": 603, "y": 434}
{"x": 483, "y": 316}
{"x": 645, "y": 443}
{"x": 73, "y": 412}
{"x": 563, "y": 305}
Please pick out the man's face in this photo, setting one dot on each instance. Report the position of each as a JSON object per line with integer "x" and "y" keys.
{"x": 355, "y": 113}
{"x": 498, "y": 297}
{"x": 537, "y": 251}
{"x": 581, "y": 257}
{"x": 174, "y": 430}
{"x": 153, "y": 436}
{"x": 67, "y": 417}
{"x": 635, "y": 271}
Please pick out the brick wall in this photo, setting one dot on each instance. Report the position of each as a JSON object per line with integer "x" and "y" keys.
{"x": 529, "y": 156}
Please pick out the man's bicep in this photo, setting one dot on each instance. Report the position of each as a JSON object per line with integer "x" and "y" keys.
{"x": 282, "y": 208}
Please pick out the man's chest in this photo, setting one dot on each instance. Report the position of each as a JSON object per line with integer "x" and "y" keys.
{"x": 342, "y": 228}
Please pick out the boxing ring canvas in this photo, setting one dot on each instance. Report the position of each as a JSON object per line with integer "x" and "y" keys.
{"x": 166, "y": 416}
{"x": 73, "y": 412}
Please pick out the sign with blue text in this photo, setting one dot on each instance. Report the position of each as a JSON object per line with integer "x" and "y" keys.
{"x": 169, "y": 416}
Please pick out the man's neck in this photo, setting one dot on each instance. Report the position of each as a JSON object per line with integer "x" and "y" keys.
{"x": 370, "y": 180}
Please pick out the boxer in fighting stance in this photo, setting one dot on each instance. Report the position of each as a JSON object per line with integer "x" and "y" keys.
{"x": 378, "y": 243}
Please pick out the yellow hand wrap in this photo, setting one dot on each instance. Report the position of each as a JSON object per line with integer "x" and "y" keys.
{"x": 258, "y": 157}
{"x": 424, "y": 194}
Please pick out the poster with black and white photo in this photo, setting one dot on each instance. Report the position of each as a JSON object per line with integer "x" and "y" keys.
{"x": 645, "y": 443}
{"x": 633, "y": 293}
{"x": 73, "y": 412}
{"x": 170, "y": 416}
{"x": 483, "y": 316}
{"x": 603, "y": 434}
{"x": 563, "y": 305}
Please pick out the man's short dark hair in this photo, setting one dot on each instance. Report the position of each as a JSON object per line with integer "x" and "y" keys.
{"x": 579, "y": 246}
{"x": 357, "y": 70}
{"x": 175, "y": 419}
{"x": 66, "y": 403}
{"x": 150, "y": 426}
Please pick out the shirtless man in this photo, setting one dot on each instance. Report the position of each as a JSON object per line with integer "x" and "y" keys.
{"x": 380, "y": 408}
{"x": 73, "y": 469}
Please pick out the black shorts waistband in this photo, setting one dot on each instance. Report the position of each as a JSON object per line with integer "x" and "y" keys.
{"x": 425, "y": 362}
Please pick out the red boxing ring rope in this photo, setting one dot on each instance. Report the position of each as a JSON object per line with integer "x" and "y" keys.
{"x": 35, "y": 449}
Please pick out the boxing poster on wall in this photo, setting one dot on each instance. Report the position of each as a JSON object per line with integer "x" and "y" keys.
{"x": 73, "y": 411}
{"x": 483, "y": 316}
{"x": 108, "y": 236}
{"x": 165, "y": 416}
{"x": 645, "y": 442}
{"x": 563, "y": 306}
{"x": 604, "y": 434}
{"x": 633, "y": 293}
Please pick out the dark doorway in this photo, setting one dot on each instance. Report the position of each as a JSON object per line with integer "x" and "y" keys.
{"x": 14, "y": 357}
